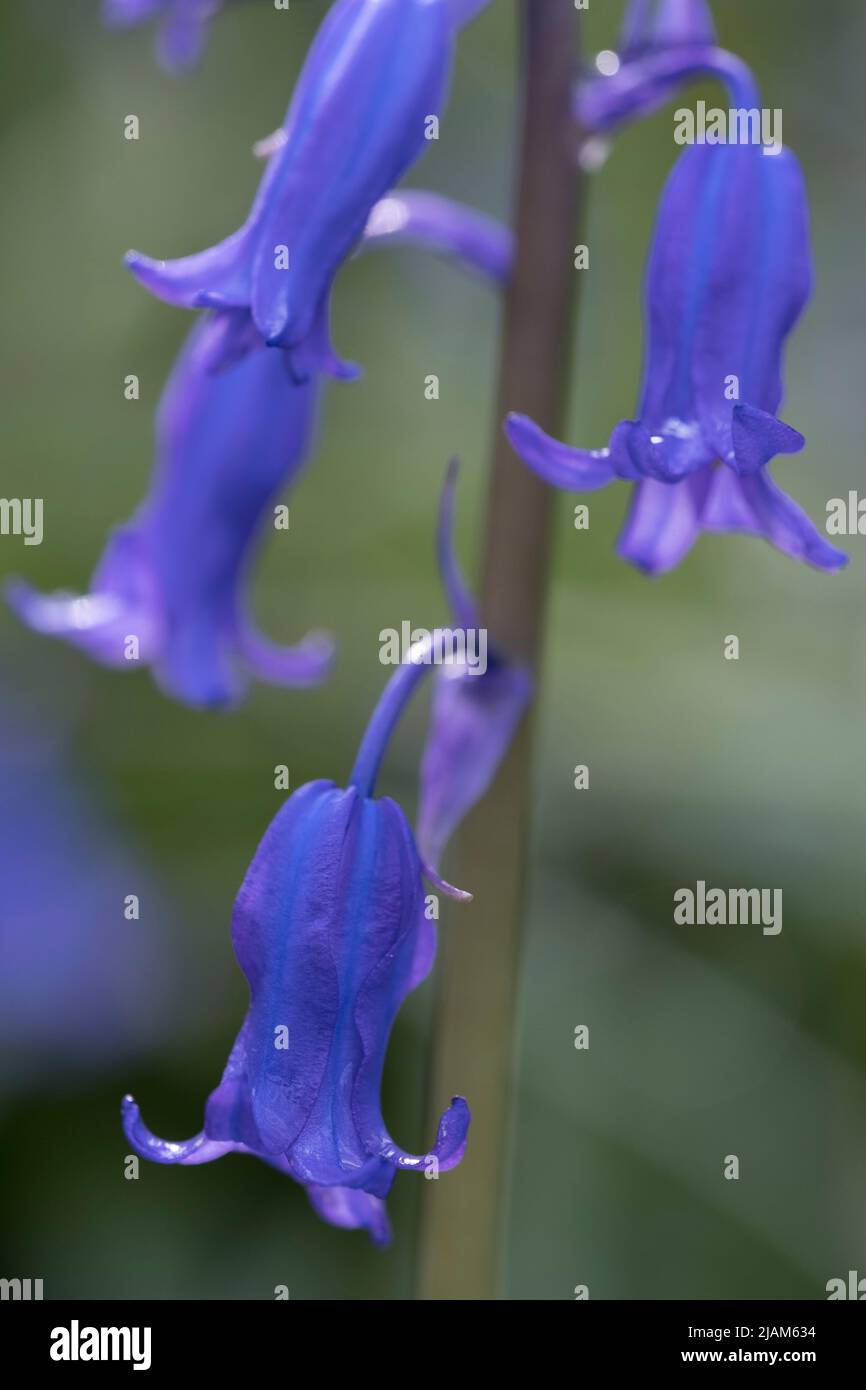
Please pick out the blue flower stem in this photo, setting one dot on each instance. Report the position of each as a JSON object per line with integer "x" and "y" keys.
{"x": 390, "y": 706}
{"x": 462, "y": 1217}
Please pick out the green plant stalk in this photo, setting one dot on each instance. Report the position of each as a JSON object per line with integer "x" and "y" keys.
{"x": 462, "y": 1212}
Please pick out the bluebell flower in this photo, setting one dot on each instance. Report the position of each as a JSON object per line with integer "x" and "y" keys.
{"x": 473, "y": 716}
{"x": 661, "y": 48}
{"x": 182, "y": 29}
{"x": 330, "y": 931}
{"x": 228, "y": 442}
{"x": 173, "y": 577}
{"x": 729, "y": 275}
{"x": 376, "y": 72}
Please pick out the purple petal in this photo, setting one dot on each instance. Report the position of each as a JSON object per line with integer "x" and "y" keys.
{"x": 199, "y": 1149}
{"x": 307, "y": 663}
{"x": 758, "y": 437}
{"x": 352, "y": 1209}
{"x": 755, "y": 505}
{"x": 725, "y": 508}
{"x": 473, "y": 719}
{"x": 99, "y": 623}
{"x": 665, "y": 457}
{"x": 786, "y": 526}
{"x": 443, "y": 226}
{"x": 578, "y": 470}
{"x": 662, "y": 524}
{"x": 450, "y": 1143}
{"x": 463, "y": 608}
{"x": 460, "y": 895}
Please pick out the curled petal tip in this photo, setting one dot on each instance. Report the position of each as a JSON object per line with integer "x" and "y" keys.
{"x": 448, "y": 889}
{"x": 307, "y": 664}
{"x": 198, "y": 1149}
{"x": 450, "y": 1143}
{"x": 579, "y": 470}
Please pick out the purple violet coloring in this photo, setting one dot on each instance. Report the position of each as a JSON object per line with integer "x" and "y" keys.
{"x": 473, "y": 714}
{"x": 374, "y": 78}
{"x": 331, "y": 932}
{"x": 729, "y": 274}
{"x": 182, "y": 31}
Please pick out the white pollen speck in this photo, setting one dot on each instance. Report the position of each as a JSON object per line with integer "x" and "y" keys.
{"x": 607, "y": 62}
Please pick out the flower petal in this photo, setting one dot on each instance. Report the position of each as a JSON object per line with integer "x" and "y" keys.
{"x": 759, "y": 436}
{"x": 198, "y": 1149}
{"x": 786, "y": 526}
{"x": 662, "y": 523}
{"x": 416, "y": 218}
{"x": 352, "y": 1209}
{"x": 306, "y": 663}
{"x": 473, "y": 719}
{"x": 578, "y": 470}
{"x": 450, "y": 1143}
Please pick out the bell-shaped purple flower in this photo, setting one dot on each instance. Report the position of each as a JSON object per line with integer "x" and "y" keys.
{"x": 330, "y": 931}
{"x": 474, "y": 713}
{"x": 377, "y": 70}
{"x": 729, "y": 275}
{"x": 168, "y": 591}
{"x": 228, "y": 442}
{"x": 182, "y": 29}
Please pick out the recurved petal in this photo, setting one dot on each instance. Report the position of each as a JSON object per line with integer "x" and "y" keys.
{"x": 758, "y": 437}
{"x": 352, "y": 1209}
{"x": 198, "y": 1149}
{"x": 450, "y": 1143}
{"x": 218, "y": 278}
{"x": 785, "y": 525}
{"x": 307, "y": 663}
{"x": 417, "y": 218}
{"x": 97, "y": 623}
{"x": 577, "y": 470}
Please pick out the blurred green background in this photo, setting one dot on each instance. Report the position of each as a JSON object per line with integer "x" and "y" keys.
{"x": 704, "y": 1042}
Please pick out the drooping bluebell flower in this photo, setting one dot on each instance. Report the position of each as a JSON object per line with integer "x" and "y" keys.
{"x": 227, "y": 442}
{"x": 376, "y": 72}
{"x": 330, "y": 931}
{"x": 729, "y": 274}
{"x": 473, "y": 716}
{"x": 661, "y": 48}
{"x": 182, "y": 29}
{"x": 173, "y": 577}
